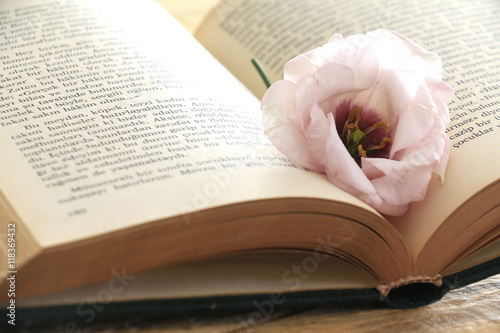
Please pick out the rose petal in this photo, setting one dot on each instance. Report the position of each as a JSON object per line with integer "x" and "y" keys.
{"x": 281, "y": 123}
{"x": 299, "y": 66}
{"x": 429, "y": 150}
{"x": 440, "y": 168}
{"x": 336, "y": 38}
{"x": 401, "y": 184}
{"x": 442, "y": 94}
{"x": 316, "y": 133}
{"x": 334, "y": 79}
{"x": 414, "y": 123}
{"x": 395, "y": 51}
{"x": 393, "y": 210}
{"x": 308, "y": 62}
{"x": 339, "y": 165}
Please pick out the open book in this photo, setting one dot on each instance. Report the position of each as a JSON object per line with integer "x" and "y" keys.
{"x": 126, "y": 147}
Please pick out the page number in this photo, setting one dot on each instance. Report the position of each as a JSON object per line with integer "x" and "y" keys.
{"x": 77, "y": 212}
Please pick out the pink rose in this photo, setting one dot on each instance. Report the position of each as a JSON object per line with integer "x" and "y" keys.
{"x": 370, "y": 111}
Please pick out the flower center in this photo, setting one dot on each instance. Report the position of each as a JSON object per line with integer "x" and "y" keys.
{"x": 364, "y": 142}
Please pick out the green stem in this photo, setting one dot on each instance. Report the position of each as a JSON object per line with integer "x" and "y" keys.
{"x": 261, "y": 72}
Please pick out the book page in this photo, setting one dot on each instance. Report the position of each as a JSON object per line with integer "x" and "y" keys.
{"x": 107, "y": 124}
{"x": 462, "y": 33}
{"x": 275, "y": 31}
{"x": 468, "y": 46}
{"x": 243, "y": 274}
{"x": 189, "y": 13}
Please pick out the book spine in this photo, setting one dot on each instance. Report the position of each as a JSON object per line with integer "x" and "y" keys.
{"x": 386, "y": 288}
{"x": 412, "y": 291}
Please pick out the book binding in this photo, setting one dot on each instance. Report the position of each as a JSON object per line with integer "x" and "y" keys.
{"x": 386, "y": 288}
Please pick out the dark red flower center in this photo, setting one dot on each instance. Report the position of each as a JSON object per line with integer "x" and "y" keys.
{"x": 362, "y": 133}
